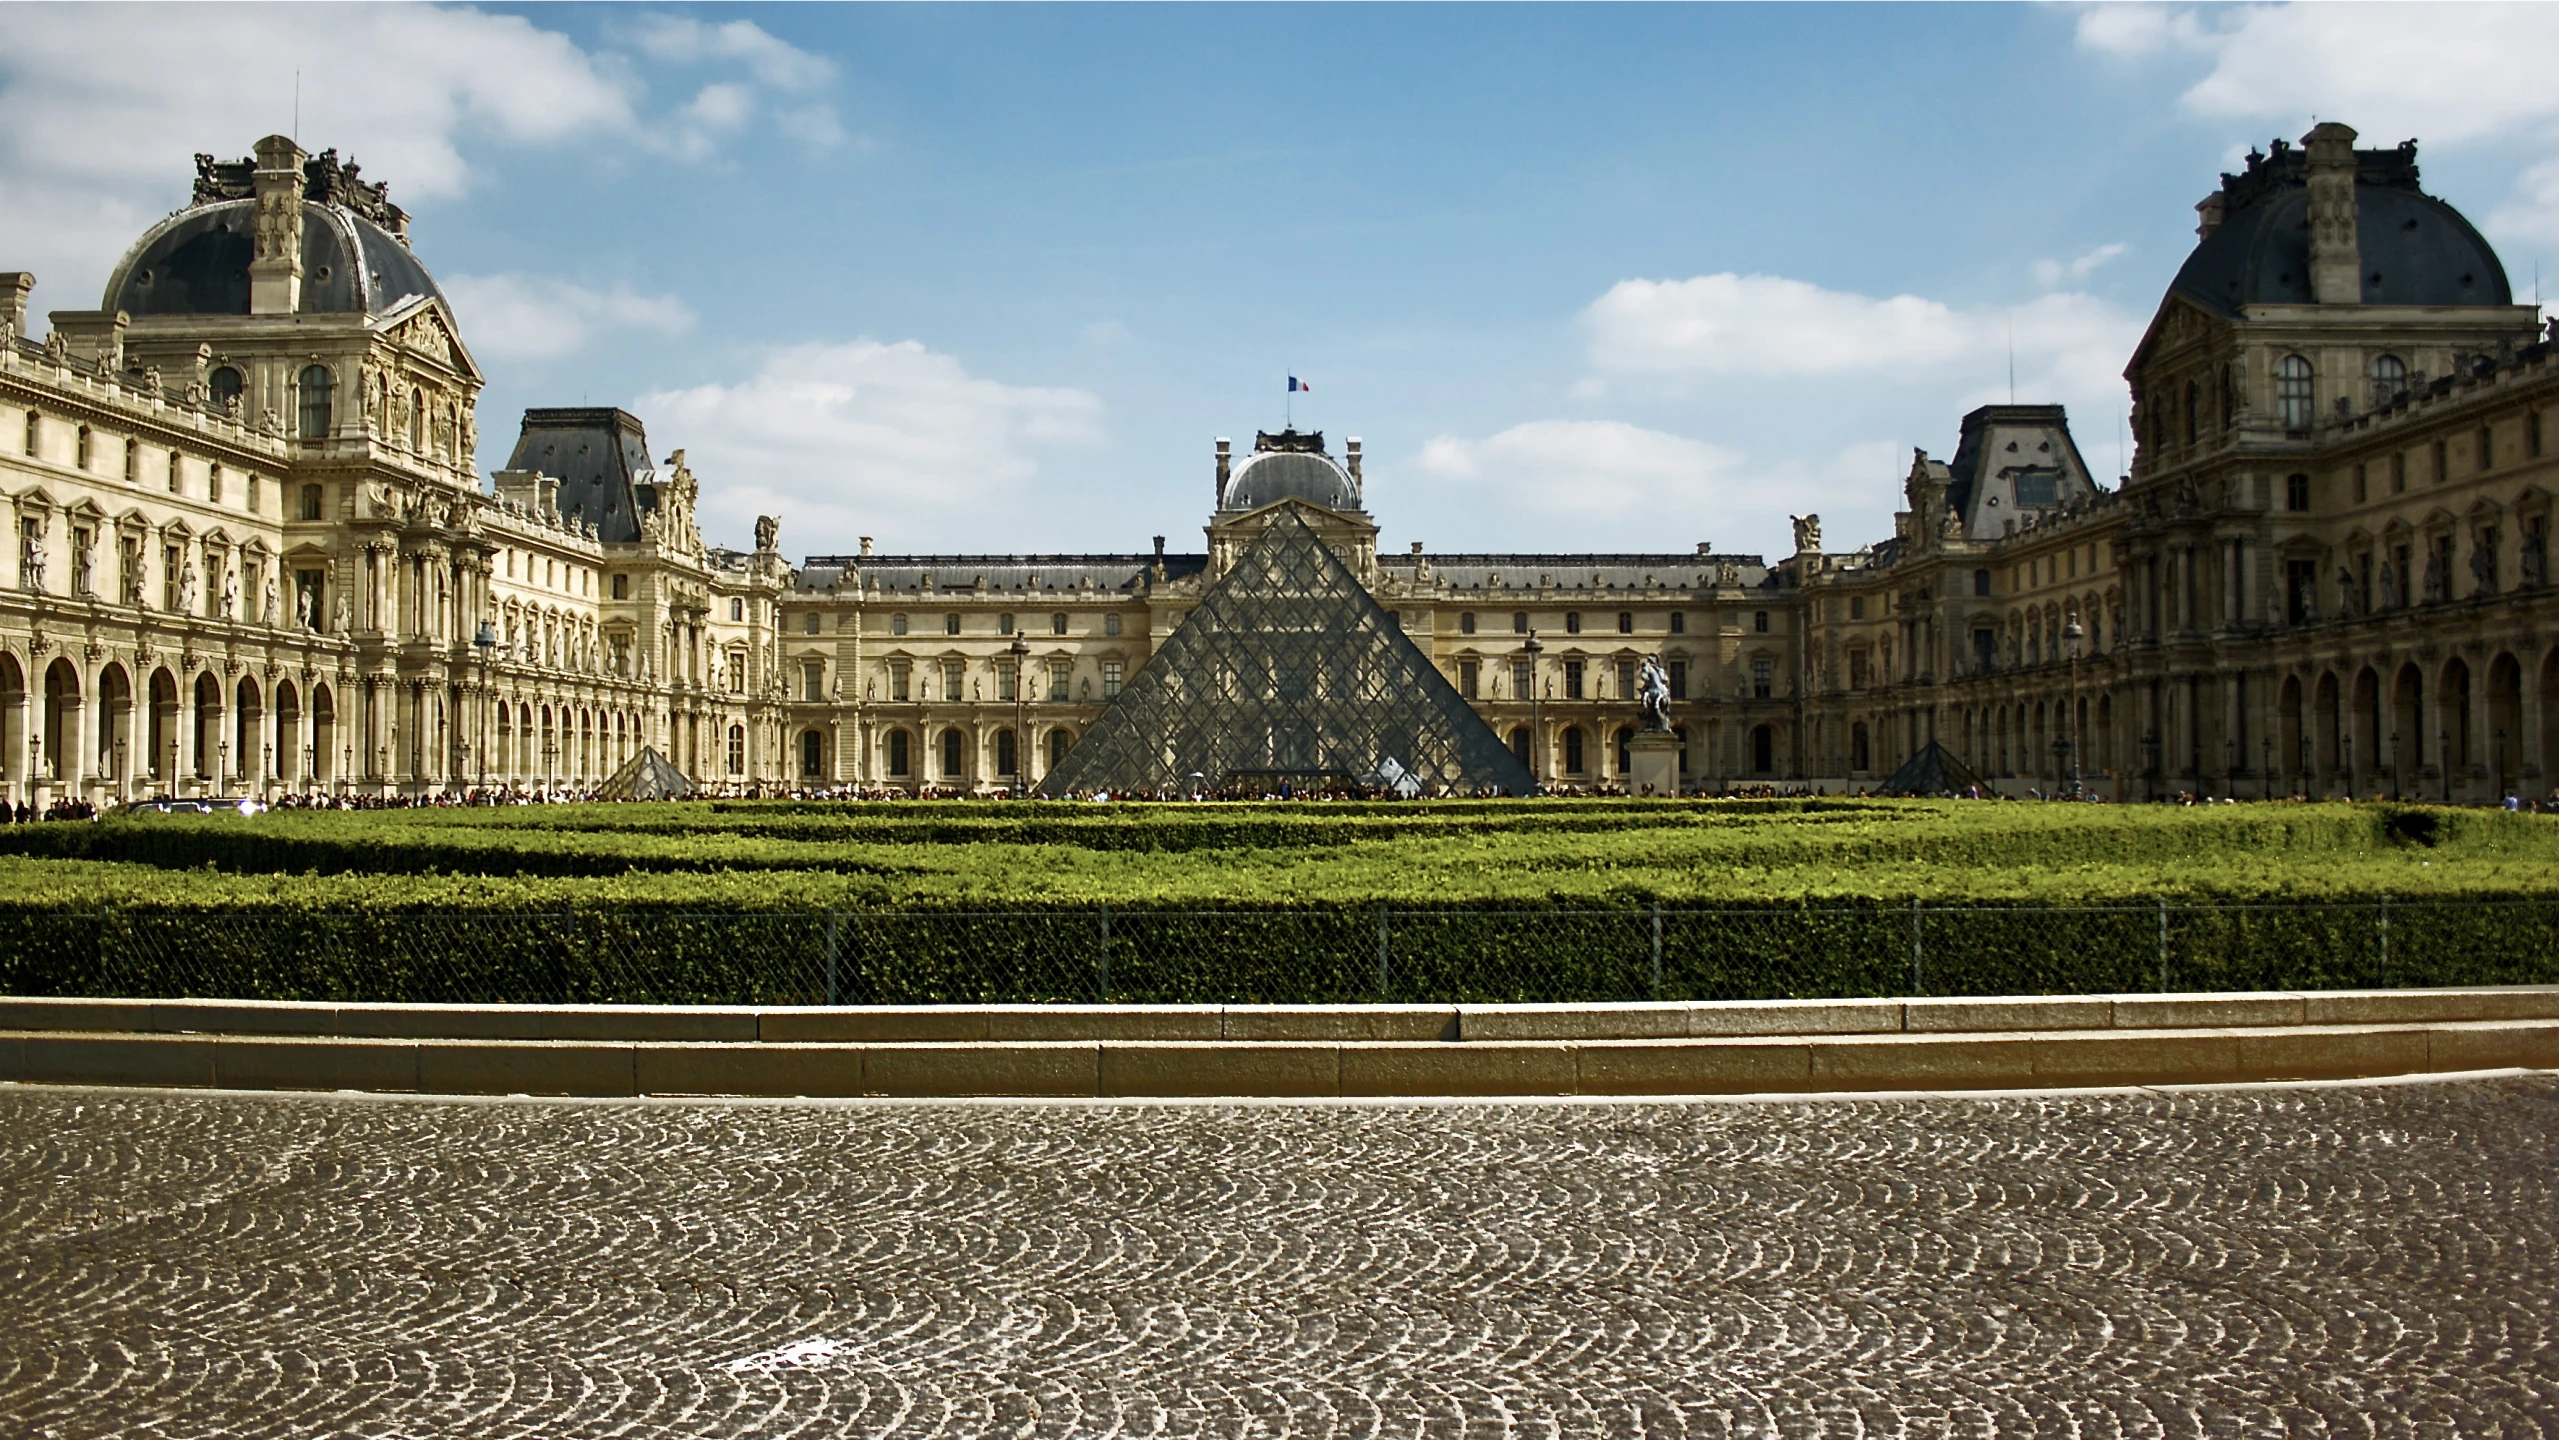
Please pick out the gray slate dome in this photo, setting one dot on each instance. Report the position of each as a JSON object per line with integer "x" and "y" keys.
{"x": 196, "y": 262}
{"x": 1289, "y": 465}
{"x": 2417, "y": 250}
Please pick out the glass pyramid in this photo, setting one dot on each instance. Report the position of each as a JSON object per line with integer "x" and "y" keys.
{"x": 1289, "y": 674}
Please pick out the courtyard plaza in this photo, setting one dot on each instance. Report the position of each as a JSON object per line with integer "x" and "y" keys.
{"x": 2306, "y": 1260}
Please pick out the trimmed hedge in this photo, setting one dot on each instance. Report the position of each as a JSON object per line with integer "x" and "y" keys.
{"x": 1316, "y": 954}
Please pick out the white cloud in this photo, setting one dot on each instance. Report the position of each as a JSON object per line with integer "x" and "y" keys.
{"x": 676, "y": 39}
{"x": 1612, "y": 485}
{"x": 2442, "y": 72}
{"x": 101, "y": 107}
{"x": 535, "y": 317}
{"x": 892, "y": 440}
{"x": 2067, "y": 347}
{"x": 2053, "y": 274}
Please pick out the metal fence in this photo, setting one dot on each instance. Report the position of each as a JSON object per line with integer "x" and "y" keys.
{"x": 1308, "y": 955}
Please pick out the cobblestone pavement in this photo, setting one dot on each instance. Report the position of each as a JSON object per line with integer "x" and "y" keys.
{"x": 2288, "y": 1261}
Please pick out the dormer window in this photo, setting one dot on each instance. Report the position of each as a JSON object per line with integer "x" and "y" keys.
{"x": 225, "y": 385}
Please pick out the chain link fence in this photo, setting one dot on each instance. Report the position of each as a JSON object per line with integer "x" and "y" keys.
{"x": 1342, "y": 955}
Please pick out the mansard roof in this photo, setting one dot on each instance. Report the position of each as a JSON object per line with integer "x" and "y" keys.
{"x": 600, "y": 456}
{"x": 355, "y": 249}
{"x": 2417, "y": 250}
{"x": 1598, "y": 570}
{"x": 959, "y": 574}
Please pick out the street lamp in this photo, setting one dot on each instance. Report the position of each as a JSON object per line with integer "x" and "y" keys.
{"x": 2349, "y": 743}
{"x": 486, "y": 642}
{"x": 124, "y": 781}
{"x": 1020, "y": 650}
{"x": 2072, "y": 633}
{"x": 1536, "y": 710}
{"x": 2230, "y": 767}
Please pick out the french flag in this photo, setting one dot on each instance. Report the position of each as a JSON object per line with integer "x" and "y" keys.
{"x": 1299, "y": 387}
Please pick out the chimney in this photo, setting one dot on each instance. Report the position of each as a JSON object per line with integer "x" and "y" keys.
{"x": 866, "y": 544}
{"x": 275, "y": 257}
{"x": 1705, "y": 547}
{"x": 1350, "y": 454}
{"x": 1225, "y": 461}
{"x": 2336, "y": 260}
{"x": 15, "y": 287}
{"x": 2208, "y": 213}
{"x": 1417, "y": 549}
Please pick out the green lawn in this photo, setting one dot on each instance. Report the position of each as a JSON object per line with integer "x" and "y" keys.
{"x": 786, "y": 855}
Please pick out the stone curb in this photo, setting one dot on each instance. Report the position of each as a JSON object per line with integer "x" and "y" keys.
{"x": 1276, "y": 1023}
{"x": 1255, "y": 1069}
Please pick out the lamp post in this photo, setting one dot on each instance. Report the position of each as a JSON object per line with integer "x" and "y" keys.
{"x": 1536, "y": 712}
{"x": 1020, "y": 650}
{"x": 2395, "y": 765}
{"x": 2349, "y": 745}
{"x": 2443, "y": 761}
{"x": 550, "y": 755}
{"x": 2266, "y": 770}
{"x": 2230, "y": 767}
{"x": 2072, "y": 633}
{"x": 124, "y": 780}
{"x": 486, "y": 642}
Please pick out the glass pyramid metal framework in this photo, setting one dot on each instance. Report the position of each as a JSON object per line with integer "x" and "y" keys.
{"x": 1288, "y": 673}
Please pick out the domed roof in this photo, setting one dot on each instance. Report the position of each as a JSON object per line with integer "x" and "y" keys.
{"x": 1289, "y": 465}
{"x": 2416, "y": 249}
{"x": 355, "y": 259}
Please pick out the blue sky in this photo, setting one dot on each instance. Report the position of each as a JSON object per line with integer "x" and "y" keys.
{"x": 991, "y": 278}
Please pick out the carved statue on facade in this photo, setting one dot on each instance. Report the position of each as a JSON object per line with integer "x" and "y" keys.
{"x": 84, "y": 569}
{"x": 2389, "y": 586}
{"x": 230, "y": 593}
{"x": 767, "y": 530}
{"x": 1808, "y": 533}
{"x": 31, "y": 560}
{"x": 2483, "y": 565}
{"x": 339, "y": 625}
{"x": 2350, "y": 602}
{"x": 2438, "y": 584}
{"x": 1728, "y": 574}
{"x": 188, "y": 585}
{"x": 266, "y": 608}
{"x": 1653, "y": 691}
{"x": 2536, "y": 560}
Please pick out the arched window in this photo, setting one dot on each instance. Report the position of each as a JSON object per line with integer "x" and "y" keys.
{"x": 1007, "y": 754}
{"x": 2293, "y": 392}
{"x": 2194, "y": 415}
{"x": 737, "y": 749}
{"x": 417, "y": 420}
{"x": 951, "y": 754}
{"x": 317, "y": 386}
{"x": 2389, "y": 377}
{"x": 1573, "y": 759}
{"x": 225, "y": 385}
{"x": 900, "y": 761}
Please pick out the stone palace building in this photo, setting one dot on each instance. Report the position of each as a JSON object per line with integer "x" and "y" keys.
{"x": 254, "y": 553}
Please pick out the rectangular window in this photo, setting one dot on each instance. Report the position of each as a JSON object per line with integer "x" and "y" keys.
{"x": 1679, "y": 679}
{"x": 213, "y": 484}
{"x": 897, "y": 625}
{"x": 1572, "y": 679}
{"x": 172, "y": 566}
{"x": 1519, "y": 622}
{"x": 1057, "y": 676}
{"x": 2037, "y": 488}
{"x": 1625, "y": 679}
{"x": 737, "y": 672}
{"x": 1523, "y": 679}
{"x": 2296, "y": 492}
{"x": 310, "y": 503}
{"x": 1762, "y": 679}
{"x": 950, "y": 624}
{"x": 1111, "y": 624}
{"x": 954, "y": 680}
{"x": 2301, "y": 591}
{"x": 1057, "y": 626}
{"x": 1008, "y": 681}
{"x": 2363, "y": 487}
{"x": 812, "y": 680}
{"x": 1759, "y": 621}
{"x": 1572, "y": 622}
{"x": 1985, "y": 650}
{"x": 899, "y": 676}
{"x": 1470, "y": 675}
{"x": 1856, "y": 669}
{"x": 622, "y": 591}
{"x": 2399, "y": 473}
{"x": 1856, "y": 607}
{"x": 2532, "y": 434}
{"x": 1679, "y": 622}
{"x": 1981, "y": 582}
{"x": 132, "y": 461}
{"x": 1003, "y": 624}
{"x": 177, "y": 474}
{"x": 2442, "y": 467}
{"x": 2486, "y": 446}
{"x": 1466, "y": 623}
{"x": 1625, "y": 622}
{"x": 1111, "y": 672}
